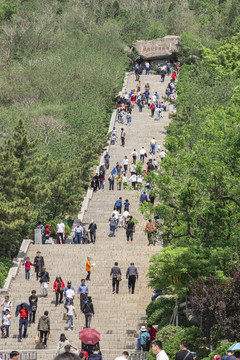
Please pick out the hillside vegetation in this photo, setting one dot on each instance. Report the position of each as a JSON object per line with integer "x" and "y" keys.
{"x": 62, "y": 64}
{"x": 197, "y": 193}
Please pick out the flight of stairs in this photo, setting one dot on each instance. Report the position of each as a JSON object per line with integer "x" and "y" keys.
{"x": 118, "y": 317}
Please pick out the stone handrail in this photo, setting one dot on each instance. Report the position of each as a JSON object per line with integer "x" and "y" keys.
{"x": 111, "y": 125}
{"x": 139, "y": 355}
{"x": 16, "y": 264}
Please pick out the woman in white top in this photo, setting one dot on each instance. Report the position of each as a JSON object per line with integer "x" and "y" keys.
{"x": 139, "y": 181}
{"x": 63, "y": 341}
{"x": 6, "y": 304}
{"x": 125, "y": 163}
{"x": 133, "y": 179}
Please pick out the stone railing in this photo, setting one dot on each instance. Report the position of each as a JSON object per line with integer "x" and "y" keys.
{"x": 111, "y": 125}
{"x": 139, "y": 355}
{"x": 16, "y": 264}
{"x": 28, "y": 355}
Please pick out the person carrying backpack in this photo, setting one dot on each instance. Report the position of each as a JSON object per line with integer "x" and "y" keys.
{"x": 126, "y": 205}
{"x": 118, "y": 205}
{"x": 33, "y": 299}
{"x": 144, "y": 339}
{"x": 44, "y": 281}
{"x": 88, "y": 311}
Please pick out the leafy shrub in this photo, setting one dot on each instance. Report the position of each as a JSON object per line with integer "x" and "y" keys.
{"x": 159, "y": 313}
{"x": 220, "y": 350}
{"x": 53, "y": 226}
{"x": 5, "y": 265}
{"x": 171, "y": 337}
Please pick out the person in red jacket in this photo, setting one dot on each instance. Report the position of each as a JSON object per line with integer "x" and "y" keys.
{"x": 152, "y": 107}
{"x": 152, "y": 332}
{"x": 174, "y": 75}
{"x": 149, "y": 229}
{"x": 28, "y": 265}
{"x": 58, "y": 287}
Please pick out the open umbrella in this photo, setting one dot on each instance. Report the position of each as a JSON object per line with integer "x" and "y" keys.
{"x": 18, "y": 308}
{"x": 89, "y": 336}
{"x": 234, "y": 347}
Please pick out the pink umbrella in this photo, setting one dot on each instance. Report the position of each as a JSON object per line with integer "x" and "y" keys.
{"x": 89, "y": 336}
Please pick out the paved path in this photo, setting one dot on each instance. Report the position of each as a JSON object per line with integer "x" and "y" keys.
{"x": 118, "y": 317}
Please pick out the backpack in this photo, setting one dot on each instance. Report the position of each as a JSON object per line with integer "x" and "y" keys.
{"x": 144, "y": 337}
{"x": 126, "y": 206}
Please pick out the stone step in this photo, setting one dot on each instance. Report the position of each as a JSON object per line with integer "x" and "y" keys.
{"x": 116, "y": 315}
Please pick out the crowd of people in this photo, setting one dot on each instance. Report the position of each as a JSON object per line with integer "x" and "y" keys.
{"x": 130, "y": 173}
{"x": 82, "y": 234}
{"x": 64, "y": 294}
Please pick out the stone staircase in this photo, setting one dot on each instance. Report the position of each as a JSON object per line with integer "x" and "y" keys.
{"x": 118, "y": 317}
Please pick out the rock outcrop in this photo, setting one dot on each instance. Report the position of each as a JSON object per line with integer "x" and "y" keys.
{"x": 159, "y": 48}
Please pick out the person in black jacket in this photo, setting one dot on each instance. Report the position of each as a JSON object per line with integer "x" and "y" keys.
{"x": 38, "y": 263}
{"x": 92, "y": 230}
{"x": 33, "y": 299}
{"x": 184, "y": 353}
{"x": 88, "y": 311}
{"x": 44, "y": 281}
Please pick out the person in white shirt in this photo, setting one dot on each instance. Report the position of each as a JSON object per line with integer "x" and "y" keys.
{"x": 133, "y": 179}
{"x": 147, "y": 67}
{"x": 125, "y": 215}
{"x": 69, "y": 295}
{"x": 124, "y": 356}
{"x": 154, "y": 99}
{"x": 158, "y": 148}
{"x": 116, "y": 215}
{"x": 6, "y": 304}
{"x": 158, "y": 350}
{"x": 162, "y": 154}
{"x": 158, "y": 111}
{"x": 139, "y": 181}
{"x": 132, "y": 169}
{"x": 134, "y": 156}
{"x": 70, "y": 312}
{"x": 120, "y": 219}
{"x": 161, "y": 112}
{"x": 153, "y": 145}
{"x": 6, "y": 324}
{"x": 60, "y": 232}
{"x": 124, "y": 180}
{"x": 142, "y": 154}
{"x": 125, "y": 163}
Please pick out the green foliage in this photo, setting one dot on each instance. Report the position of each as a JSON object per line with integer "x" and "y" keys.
{"x": 53, "y": 227}
{"x": 220, "y": 350}
{"x": 170, "y": 270}
{"x": 33, "y": 187}
{"x": 196, "y": 190}
{"x": 139, "y": 168}
{"x": 169, "y": 333}
{"x": 5, "y": 265}
{"x": 155, "y": 30}
{"x": 8, "y": 8}
{"x": 159, "y": 311}
{"x": 225, "y": 60}
{"x": 171, "y": 337}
